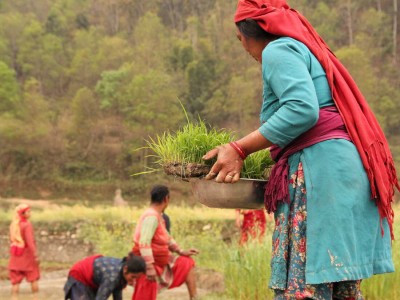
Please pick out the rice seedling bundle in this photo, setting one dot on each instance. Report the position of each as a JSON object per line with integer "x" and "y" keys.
{"x": 180, "y": 153}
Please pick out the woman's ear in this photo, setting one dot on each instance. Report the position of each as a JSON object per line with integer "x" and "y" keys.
{"x": 125, "y": 270}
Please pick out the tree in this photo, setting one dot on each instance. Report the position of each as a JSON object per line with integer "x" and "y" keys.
{"x": 11, "y": 27}
{"x": 326, "y": 20}
{"x": 373, "y": 33}
{"x": 94, "y": 53}
{"x": 83, "y": 133}
{"x": 394, "y": 35}
{"x": 9, "y": 90}
{"x": 152, "y": 43}
{"x": 112, "y": 89}
{"x": 357, "y": 62}
{"x": 154, "y": 112}
{"x": 42, "y": 56}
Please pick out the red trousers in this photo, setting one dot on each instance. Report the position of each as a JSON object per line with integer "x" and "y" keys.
{"x": 147, "y": 290}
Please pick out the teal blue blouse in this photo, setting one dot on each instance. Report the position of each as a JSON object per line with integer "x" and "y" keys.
{"x": 344, "y": 240}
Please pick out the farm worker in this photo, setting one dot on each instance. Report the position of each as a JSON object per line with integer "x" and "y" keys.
{"x": 98, "y": 277}
{"x": 251, "y": 223}
{"x": 153, "y": 242}
{"x": 333, "y": 182}
{"x": 24, "y": 259}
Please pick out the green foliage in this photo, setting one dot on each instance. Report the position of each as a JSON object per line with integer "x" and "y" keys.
{"x": 42, "y": 56}
{"x": 374, "y": 29}
{"x": 85, "y": 108}
{"x": 257, "y": 165}
{"x": 182, "y": 54}
{"x": 206, "y": 236}
{"x": 326, "y": 22}
{"x": 152, "y": 42}
{"x": 156, "y": 111}
{"x": 357, "y": 61}
{"x": 9, "y": 90}
{"x": 110, "y": 239}
{"x": 385, "y": 286}
{"x": 247, "y": 270}
{"x": 111, "y": 89}
{"x": 110, "y": 229}
{"x": 85, "y": 82}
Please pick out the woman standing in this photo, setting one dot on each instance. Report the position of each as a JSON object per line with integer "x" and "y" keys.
{"x": 24, "y": 261}
{"x": 331, "y": 157}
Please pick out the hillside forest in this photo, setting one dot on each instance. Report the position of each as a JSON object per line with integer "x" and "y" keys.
{"x": 86, "y": 82}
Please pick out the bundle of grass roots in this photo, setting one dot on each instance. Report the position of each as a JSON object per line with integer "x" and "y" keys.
{"x": 180, "y": 153}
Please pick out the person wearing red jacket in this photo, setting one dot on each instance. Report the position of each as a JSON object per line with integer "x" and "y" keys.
{"x": 97, "y": 277}
{"x": 24, "y": 260}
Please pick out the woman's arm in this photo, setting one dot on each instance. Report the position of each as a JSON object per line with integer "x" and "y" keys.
{"x": 149, "y": 226}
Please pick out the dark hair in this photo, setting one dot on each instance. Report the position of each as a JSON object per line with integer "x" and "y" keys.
{"x": 134, "y": 264}
{"x": 167, "y": 222}
{"x": 250, "y": 28}
{"x": 158, "y": 193}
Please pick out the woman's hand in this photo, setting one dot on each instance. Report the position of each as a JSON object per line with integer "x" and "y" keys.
{"x": 228, "y": 165}
{"x": 189, "y": 252}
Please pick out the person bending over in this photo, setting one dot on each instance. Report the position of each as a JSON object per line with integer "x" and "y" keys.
{"x": 98, "y": 277}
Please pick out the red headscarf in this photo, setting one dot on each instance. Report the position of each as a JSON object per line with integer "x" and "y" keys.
{"x": 276, "y": 17}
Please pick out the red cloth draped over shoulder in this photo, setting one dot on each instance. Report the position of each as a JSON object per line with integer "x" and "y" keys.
{"x": 83, "y": 271}
{"x": 276, "y": 17}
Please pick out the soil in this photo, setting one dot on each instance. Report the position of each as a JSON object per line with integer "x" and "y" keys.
{"x": 186, "y": 170}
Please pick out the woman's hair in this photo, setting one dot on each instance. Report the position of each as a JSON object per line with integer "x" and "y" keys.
{"x": 134, "y": 264}
{"x": 158, "y": 193}
{"x": 250, "y": 28}
{"x": 15, "y": 230}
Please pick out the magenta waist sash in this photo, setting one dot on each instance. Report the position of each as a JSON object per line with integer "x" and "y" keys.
{"x": 329, "y": 126}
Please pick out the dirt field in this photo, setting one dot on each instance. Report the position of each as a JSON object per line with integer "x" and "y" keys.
{"x": 51, "y": 288}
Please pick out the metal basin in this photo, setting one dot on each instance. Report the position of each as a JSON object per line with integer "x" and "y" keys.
{"x": 246, "y": 193}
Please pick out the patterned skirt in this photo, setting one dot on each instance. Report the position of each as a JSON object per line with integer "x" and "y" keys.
{"x": 289, "y": 245}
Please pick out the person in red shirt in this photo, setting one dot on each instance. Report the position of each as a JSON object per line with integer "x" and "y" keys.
{"x": 100, "y": 277}
{"x": 24, "y": 260}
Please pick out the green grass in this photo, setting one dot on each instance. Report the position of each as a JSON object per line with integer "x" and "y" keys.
{"x": 247, "y": 271}
{"x": 256, "y": 165}
{"x": 189, "y": 144}
{"x": 386, "y": 286}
